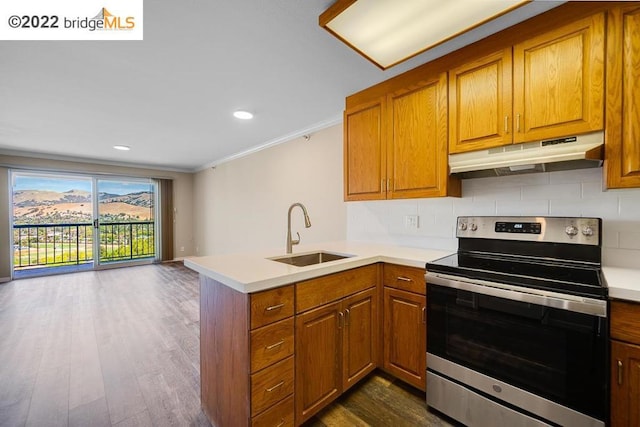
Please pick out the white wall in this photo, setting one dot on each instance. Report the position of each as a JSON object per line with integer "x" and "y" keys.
{"x": 570, "y": 193}
{"x": 242, "y": 205}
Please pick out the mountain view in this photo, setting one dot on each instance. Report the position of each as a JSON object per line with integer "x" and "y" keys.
{"x": 75, "y": 206}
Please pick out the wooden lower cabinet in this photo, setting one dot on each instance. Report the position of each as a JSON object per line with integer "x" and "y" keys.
{"x": 405, "y": 332}
{"x": 247, "y": 371}
{"x": 277, "y": 357}
{"x": 335, "y": 347}
{"x": 319, "y": 344}
{"x": 625, "y": 384}
{"x": 625, "y": 364}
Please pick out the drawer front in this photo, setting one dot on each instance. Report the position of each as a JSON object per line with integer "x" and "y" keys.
{"x": 271, "y": 385}
{"x": 316, "y": 292}
{"x": 280, "y": 415}
{"x": 406, "y": 278}
{"x": 271, "y": 306}
{"x": 271, "y": 344}
{"x": 625, "y": 321}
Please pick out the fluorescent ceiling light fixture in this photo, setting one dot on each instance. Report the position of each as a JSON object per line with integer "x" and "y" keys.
{"x": 122, "y": 147}
{"x": 242, "y": 115}
{"x": 387, "y": 32}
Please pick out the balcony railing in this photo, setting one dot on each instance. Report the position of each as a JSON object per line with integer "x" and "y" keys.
{"x": 39, "y": 245}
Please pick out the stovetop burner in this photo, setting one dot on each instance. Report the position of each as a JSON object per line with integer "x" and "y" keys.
{"x": 529, "y": 272}
{"x": 555, "y": 254}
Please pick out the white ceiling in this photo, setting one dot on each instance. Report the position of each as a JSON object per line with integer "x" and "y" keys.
{"x": 171, "y": 96}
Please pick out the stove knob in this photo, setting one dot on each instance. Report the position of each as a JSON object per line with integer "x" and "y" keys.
{"x": 571, "y": 230}
{"x": 587, "y": 231}
{"x": 473, "y": 227}
{"x": 462, "y": 226}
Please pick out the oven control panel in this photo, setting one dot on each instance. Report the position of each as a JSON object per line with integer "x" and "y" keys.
{"x": 584, "y": 231}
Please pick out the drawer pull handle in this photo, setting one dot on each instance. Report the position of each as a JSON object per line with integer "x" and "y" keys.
{"x": 270, "y": 389}
{"x": 347, "y": 314}
{"x": 424, "y": 314}
{"x": 272, "y": 346}
{"x": 404, "y": 279}
{"x": 340, "y": 319}
{"x": 506, "y": 124}
{"x": 281, "y": 423}
{"x": 274, "y": 307}
{"x": 619, "y": 372}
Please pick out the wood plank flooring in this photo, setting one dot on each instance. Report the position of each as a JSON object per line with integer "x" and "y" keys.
{"x": 121, "y": 348}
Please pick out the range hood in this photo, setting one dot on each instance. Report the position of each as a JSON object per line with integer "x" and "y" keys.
{"x": 574, "y": 152}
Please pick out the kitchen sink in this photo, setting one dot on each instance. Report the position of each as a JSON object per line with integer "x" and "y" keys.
{"x": 312, "y": 258}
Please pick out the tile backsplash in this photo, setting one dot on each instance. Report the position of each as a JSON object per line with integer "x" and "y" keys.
{"x": 567, "y": 193}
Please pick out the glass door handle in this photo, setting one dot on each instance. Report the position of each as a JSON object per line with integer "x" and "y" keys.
{"x": 95, "y": 223}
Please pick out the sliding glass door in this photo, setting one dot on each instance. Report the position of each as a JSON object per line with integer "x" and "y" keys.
{"x": 125, "y": 220}
{"x": 68, "y": 222}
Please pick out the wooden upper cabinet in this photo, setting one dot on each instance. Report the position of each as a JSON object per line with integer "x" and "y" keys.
{"x": 558, "y": 80}
{"x": 550, "y": 85}
{"x": 417, "y": 140}
{"x": 396, "y": 147}
{"x": 622, "y": 139}
{"x": 480, "y": 103}
{"x": 364, "y": 153}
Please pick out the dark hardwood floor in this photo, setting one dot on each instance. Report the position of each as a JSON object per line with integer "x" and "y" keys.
{"x": 121, "y": 348}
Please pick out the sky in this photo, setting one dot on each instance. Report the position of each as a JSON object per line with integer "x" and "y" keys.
{"x": 62, "y": 184}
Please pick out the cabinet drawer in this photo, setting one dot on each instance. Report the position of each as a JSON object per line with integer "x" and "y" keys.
{"x": 271, "y": 306}
{"x": 316, "y": 292}
{"x": 406, "y": 278}
{"x": 271, "y": 343}
{"x": 271, "y": 385}
{"x": 625, "y": 321}
{"x": 280, "y": 415}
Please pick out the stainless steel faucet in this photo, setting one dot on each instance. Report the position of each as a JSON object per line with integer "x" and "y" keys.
{"x": 307, "y": 224}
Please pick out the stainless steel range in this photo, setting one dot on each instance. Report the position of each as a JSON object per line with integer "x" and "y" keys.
{"x": 517, "y": 329}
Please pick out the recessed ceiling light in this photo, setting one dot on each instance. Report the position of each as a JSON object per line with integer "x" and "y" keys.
{"x": 243, "y": 115}
{"x": 122, "y": 147}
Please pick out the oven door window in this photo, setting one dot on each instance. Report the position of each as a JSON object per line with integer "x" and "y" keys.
{"x": 557, "y": 354}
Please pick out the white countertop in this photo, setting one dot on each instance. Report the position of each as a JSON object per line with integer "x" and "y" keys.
{"x": 623, "y": 283}
{"x": 253, "y": 271}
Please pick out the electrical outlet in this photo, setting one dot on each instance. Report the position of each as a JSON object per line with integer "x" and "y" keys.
{"x": 412, "y": 222}
{"x": 181, "y": 248}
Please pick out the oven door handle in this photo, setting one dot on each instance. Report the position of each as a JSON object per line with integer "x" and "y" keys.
{"x": 573, "y": 303}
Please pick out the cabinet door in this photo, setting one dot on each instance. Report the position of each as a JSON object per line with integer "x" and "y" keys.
{"x": 417, "y": 140}
{"x": 558, "y": 80}
{"x": 625, "y": 384}
{"x": 318, "y": 359}
{"x": 360, "y": 342}
{"x": 622, "y": 164}
{"x": 364, "y": 153}
{"x": 405, "y": 336}
{"x": 480, "y": 103}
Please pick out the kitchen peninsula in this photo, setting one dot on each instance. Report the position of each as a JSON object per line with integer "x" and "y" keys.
{"x": 261, "y": 320}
